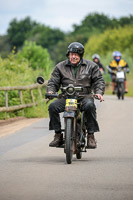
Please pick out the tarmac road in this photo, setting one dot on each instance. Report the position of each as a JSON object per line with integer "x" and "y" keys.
{"x": 30, "y": 170}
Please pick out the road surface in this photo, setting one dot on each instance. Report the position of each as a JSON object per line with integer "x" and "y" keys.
{"x": 30, "y": 170}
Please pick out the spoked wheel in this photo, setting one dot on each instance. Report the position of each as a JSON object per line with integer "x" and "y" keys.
{"x": 69, "y": 140}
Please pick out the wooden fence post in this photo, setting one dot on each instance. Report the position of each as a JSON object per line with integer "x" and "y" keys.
{"x": 40, "y": 93}
{"x": 21, "y": 96}
{"x": 6, "y": 98}
{"x": 32, "y": 96}
{"x": 21, "y": 99}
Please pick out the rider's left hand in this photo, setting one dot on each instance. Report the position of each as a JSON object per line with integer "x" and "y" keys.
{"x": 100, "y": 97}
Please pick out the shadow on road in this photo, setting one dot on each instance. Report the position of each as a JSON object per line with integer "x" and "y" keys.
{"x": 56, "y": 160}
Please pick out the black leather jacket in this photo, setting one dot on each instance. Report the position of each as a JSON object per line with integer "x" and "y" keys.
{"x": 88, "y": 76}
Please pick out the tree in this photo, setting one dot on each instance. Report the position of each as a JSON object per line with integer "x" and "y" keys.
{"x": 4, "y": 46}
{"x": 18, "y": 30}
{"x": 46, "y": 37}
{"x": 126, "y": 20}
{"x": 93, "y": 22}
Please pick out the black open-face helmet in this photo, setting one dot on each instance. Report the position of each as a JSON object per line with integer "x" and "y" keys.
{"x": 75, "y": 47}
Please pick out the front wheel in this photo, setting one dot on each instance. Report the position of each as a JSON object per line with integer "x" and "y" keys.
{"x": 118, "y": 91}
{"x": 79, "y": 154}
{"x": 69, "y": 140}
{"x": 122, "y": 90}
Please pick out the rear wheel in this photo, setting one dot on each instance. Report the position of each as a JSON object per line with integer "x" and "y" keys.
{"x": 69, "y": 140}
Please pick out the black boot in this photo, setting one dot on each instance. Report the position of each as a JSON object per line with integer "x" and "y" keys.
{"x": 91, "y": 142}
{"x": 58, "y": 139}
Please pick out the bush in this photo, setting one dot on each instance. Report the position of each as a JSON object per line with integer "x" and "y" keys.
{"x": 37, "y": 56}
{"x": 17, "y": 71}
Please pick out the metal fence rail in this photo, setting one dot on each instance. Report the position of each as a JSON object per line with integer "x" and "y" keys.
{"x": 20, "y": 89}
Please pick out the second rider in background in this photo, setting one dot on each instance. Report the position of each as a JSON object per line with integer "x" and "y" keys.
{"x": 96, "y": 59}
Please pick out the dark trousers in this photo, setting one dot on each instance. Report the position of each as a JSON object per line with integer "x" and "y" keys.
{"x": 87, "y": 105}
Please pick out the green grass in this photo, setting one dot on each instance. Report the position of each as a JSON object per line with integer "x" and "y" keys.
{"x": 39, "y": 111}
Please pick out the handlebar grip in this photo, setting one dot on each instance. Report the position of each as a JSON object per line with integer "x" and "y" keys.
{"x": 96, "y": 97}
{"x": 47, "y": 95}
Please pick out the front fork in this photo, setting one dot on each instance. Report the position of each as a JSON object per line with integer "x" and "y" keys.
{"x": 79, "y": 132}
{"x": 83, "y": 131}
{"x": 72, "y": 115}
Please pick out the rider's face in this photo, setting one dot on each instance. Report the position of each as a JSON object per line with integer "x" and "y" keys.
{"x": 74, "y": 58}
{"x": 95, "y": 60}
{"x": 118, "y": 57}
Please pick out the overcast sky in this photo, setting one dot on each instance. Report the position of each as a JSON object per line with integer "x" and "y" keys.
{"x": 60, "y": 13}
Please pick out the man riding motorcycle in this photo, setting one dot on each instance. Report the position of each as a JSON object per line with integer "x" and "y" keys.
{"x": 96, "y": 59}
{"x": 79, "y": 72}
{"x": 118, "y": 61}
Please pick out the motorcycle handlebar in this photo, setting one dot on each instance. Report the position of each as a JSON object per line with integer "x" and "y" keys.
{"x": 124, "y": 69}
{"x": 55, "y": 95}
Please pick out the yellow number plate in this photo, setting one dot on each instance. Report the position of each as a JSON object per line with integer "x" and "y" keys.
{"x": 71, "y": 102}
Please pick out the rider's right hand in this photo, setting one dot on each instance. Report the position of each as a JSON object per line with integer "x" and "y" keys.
{"x": 100, "y": 97}
{"x": 50, "y": 92}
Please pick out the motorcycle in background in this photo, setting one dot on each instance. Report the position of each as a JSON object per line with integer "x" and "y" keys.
{"x": 120, "y": 74}
{"x": 120, "y": 86}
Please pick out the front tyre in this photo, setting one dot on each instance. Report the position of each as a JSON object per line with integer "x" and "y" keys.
{"x": 79, "y": 154}
{"x": 118, "y": 91}
{"x": 122, "y": 90}
{"x": 69, "y": 140}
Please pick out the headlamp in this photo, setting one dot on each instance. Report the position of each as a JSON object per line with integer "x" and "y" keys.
{"x": 70, "y": 90}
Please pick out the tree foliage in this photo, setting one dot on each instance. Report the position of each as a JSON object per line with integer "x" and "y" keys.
{"x": 18, "y": 30}
{"x": 96, "y": 23}
{"x": 93, "y": 21}
{"x": 4, "y": 46}
{"x": 119, "y": 39}
{"x": 36, "y": 55}
{"x": 45, "y": 36}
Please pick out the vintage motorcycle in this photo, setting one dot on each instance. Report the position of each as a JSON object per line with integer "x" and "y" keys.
{"x": 74, "y": 132}
{"x": 120, "y": 79}
{"x": 119, "y": 83}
